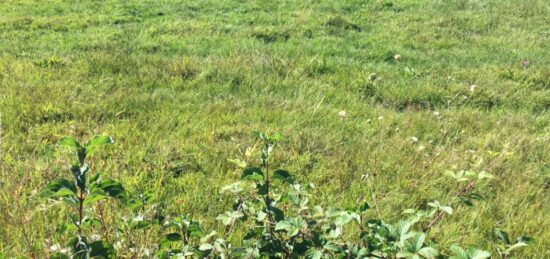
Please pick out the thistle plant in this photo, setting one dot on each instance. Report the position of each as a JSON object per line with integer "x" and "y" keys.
{"x": 80, "y": 194}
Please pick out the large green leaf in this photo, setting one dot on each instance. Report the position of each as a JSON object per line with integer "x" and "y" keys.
{"x": 478, "y": 254}
{"x": 79, "y": 247}
{"x": 428, "y": 252}
{"x": 69, "y": 142}
{"x": 168, "y": 239}
{"x": 292, "y": 226}
{"x": 417, "y": 241}
{"x": 313, "y": 253}
{"x": 93, "y": 144}
{"x": 113, "y": 189}
{"x": 60, "y": 188}
{"x": 283, "y": 176}
{"x": 195, "y": 230}
{"x": 458, "y": 253}
{"x": 94, "y": 197}
{"x": 102, "y": 249}
{"x": 471, "y": 253}
{"x": 228, "y": 217}
{"x": 502, "y": 235}
{"x": 253, "y": 174}
{"x": 343, "y": 218}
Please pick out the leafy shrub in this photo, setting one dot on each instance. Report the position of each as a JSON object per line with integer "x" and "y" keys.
{"x": 276, "y": 212}
{"x": 80, "y": 194}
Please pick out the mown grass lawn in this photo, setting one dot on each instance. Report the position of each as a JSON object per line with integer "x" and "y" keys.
{"x": 181, "y": 84}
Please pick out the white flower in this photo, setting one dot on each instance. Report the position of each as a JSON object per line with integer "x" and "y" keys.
{"x": 472, "y": 88}
{"x": 436, "y": 113}
{"x": 138, "y": 218}
{"x": 95, "y": 237}
{"x": 342, "y": 113}
{"x": 55, "y": 247}
{"x": 397, "y": 57}
{"x": 414, "y": 139}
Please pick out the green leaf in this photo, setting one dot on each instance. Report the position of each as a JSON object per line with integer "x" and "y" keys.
{"x": 284, "y": 225}
{"x": 102, "y": 249}
{"x": 169, "y": 238}
{"x": 478, "y": 254}
{"x": 65, "y": 227}
{"x": 283, "y": 176}
{"x": 434, "y": 204}
{"x": 228, "y": 217}
{"x": 447, "y": 209}
{"x": 471, "y": 253}
{"x": 364, "y": 207}
{"x": 139, "y": 222}
{"x": 470, "y": 173}
{"x": 69, "y": 142}
{"x": 205, "y": 247}
{"x": 459, "y": 252}
{"x": 258, "y": 134}
{"x": 409, "y": 211}
{"x": 313, "y": 253}
{"x": 112, "y": 189}
{"x": 343, "y": 218}
{"x": 403, "y": 229}
{"x": 239, "y": 163}
{"x": 485, "y": 175}
{"x": 253, "y": 174}
{"x": 516, "y": 246}
{"x": 276, "y": 137}
{"x": 428, "y": 252}
{"x": 93, "y": 197}
{"x": 278, "y": 214}
{"x": 79, "y": 247}
{"x": 502, "y": 235}
{"x": 524, "y": 239}
{"x": 330, "y": 246}
{"x": 417, "y": 241}
{"x": 292, "y": 226}
{"x": 195, "y": 230}
{"x": 59, "y": 188}
{"x": 96, "y": 142}
{"x": 261, "y": 216}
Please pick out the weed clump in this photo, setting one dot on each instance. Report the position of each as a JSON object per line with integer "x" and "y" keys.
{"x": 269, "y": 35}
{"x": 341, "y": 23}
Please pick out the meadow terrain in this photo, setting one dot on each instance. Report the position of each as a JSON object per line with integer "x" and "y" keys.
{"x": 180, "y": 86}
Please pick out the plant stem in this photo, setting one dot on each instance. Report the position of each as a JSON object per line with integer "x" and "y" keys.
{"x": 230, "y": 228}
{"x": 440, "y": 214}
{"x": 267, "y": 200}
{"x": 80, "y": 212}
{"x": 373, "y": 197}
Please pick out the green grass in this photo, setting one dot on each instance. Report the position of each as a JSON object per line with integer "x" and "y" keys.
{"x": 181, "y": 84}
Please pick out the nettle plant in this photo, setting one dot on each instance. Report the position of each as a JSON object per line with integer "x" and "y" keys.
{"x": 280, "y": 222}
{"x": 80, "y": 194}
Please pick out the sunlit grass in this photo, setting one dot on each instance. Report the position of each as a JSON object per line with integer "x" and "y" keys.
{"x": 181, "y": 84}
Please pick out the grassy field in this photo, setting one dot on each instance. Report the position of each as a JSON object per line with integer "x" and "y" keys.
{"x": 181, "y": 84}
